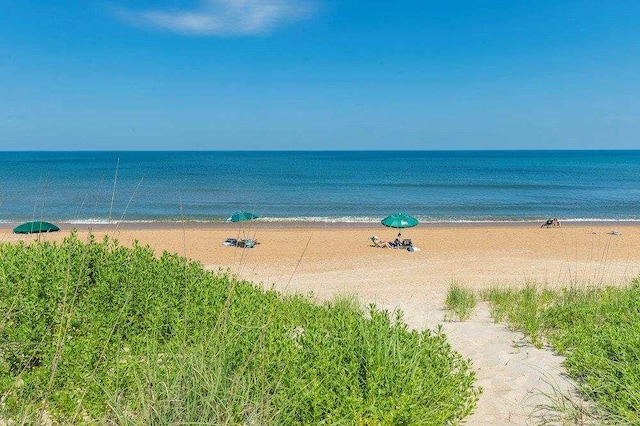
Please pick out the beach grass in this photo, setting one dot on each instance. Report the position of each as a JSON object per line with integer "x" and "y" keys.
{"x": 93, "y": 332}
{"x": 460, "y": 302}
{"x": 521, "y": 308}
{"x": 597, "y": 329}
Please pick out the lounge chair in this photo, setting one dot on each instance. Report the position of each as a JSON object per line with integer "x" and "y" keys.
{"x": 247, "y": 243}
{"x": 377, "y": 242}
{"x": 395, "y": 244}
{"x": 230, "y": 242}
{"x": 551, "y": 223}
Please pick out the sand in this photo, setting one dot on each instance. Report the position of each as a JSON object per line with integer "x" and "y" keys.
{"x": 332, "y": 260}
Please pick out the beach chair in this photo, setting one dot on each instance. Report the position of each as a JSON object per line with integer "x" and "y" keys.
{"x": 547, "y": 224}
{"x": 551, "y": 223}
{"x": 247, "y": 243}
{"x": 230, "y": 242}
{"x": 395, "y": 244}
{"x": 377, "y": 242}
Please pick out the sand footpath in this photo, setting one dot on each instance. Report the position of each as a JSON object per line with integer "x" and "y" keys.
{"x": 328, "y": 261}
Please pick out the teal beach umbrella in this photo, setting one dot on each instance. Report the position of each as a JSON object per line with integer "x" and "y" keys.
{"x": 241, "y": 216}
{"x": 35, "y": 228}
{"x": 400, "y": 220}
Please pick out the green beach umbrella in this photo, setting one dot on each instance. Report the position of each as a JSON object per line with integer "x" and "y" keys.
{"x": 241, "y": 216}
{"x": 35, "y": 227}
{"x": 400, "y": 220}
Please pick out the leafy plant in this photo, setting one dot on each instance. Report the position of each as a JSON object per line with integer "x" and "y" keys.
{"x": 95, "y": 332}
{"x": 598, "y": 329}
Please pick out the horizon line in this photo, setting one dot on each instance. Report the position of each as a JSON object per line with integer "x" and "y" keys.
{"x": 333, "y": 150}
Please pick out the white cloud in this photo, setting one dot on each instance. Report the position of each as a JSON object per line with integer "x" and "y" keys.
{"x": 223, "y": 17}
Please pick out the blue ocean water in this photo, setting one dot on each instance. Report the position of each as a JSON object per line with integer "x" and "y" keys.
{"x": 88, "y": 187}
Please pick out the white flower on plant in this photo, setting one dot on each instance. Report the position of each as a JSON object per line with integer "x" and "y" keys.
{"x": 296, "y": 334}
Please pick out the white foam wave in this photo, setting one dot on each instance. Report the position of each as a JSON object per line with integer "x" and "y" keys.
{"x": 430, "y": 219}
{"x": 528, "y": 220}
{"x": 330, "y": 219}
{"x": 601, "y": 220}
{"x": 322, "y": 219}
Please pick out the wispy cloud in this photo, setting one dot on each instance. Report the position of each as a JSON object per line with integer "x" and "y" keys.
{"x": 223, "y": 17}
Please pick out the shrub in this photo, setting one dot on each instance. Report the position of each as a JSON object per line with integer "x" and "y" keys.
{"x": 598, "y": 329}
{"x": 98, "y": 332}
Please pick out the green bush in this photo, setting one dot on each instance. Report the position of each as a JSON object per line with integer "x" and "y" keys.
{"x": 97, "y": 332}
{"x": 598, "y": 329}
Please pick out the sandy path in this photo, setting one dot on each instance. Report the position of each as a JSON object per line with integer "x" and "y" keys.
{"x": 332, "y": 261}
{"x": 517, "y": 379}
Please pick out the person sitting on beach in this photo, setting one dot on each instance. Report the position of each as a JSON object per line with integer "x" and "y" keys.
{"x": 395, "y": 243}
{"x": 547, "y": 224}
{"x": 377, "y": 242}
{"x": 551, "y": 223}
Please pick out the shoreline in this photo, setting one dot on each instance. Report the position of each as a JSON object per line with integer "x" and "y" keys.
{"x": 303, "y": 224}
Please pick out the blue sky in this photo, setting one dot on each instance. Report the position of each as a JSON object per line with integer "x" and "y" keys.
{"x": 319, "y": 74}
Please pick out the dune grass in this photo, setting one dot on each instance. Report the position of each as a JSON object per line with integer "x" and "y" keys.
{"x": 460, "y": 302}
{"x": 597, "y": 329}
{"x": 521, "y": 308}
{"x": 96, "y": 332}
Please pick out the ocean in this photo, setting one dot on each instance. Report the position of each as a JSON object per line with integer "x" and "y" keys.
{"x": 351, "y": 186}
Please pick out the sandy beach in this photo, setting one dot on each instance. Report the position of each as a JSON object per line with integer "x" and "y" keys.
{"x": 331, "y": 260}
{"x": 340, "y": 259}
{"x": 328, "y": 259}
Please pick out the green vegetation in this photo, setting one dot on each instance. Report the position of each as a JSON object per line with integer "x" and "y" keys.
{"x": 96, "y": 332}
{"x": 522, "y": 308}
{"x": 598, "y": 330}
{"x": 460, "y": 302}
